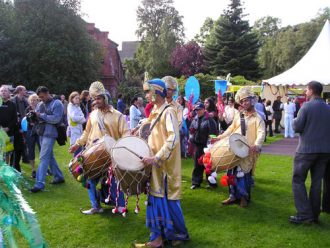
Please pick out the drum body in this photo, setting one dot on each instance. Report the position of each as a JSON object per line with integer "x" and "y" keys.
{"x": 222, "y": 157}
{"x": 130, "y": 172}
{"x": 94, "y": 161}
{"x": 144, "y": 131}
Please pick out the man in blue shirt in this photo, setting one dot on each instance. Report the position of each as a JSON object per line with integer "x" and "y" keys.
{"x": 49, "y": 112}
{"x": 121, "y": 106}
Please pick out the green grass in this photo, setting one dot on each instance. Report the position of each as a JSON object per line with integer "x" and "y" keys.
{"x": 263, "y": 224}
{"x": 273, "y": 139}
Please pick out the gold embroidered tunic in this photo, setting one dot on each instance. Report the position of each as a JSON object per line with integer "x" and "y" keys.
{"x": 255, "y": 135}
{"x": 114, "y": 123}
{"x": 179, "y": 110}
{"x": 164, "y": 141}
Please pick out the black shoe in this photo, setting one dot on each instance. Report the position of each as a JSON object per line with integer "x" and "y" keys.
{"x": 195, "y": 186}
{"x": 33, "y": 175}
{"x": 35, "y": 190}
{"x": 301, "y": 220}
{"x": 57, "y": 181}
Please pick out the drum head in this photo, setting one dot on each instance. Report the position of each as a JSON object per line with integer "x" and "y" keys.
{"x": 239, "y": 145}
{"x": 144, "y": 131}
{"x": 109, "y": 142}
{"x": 127, "y": 160}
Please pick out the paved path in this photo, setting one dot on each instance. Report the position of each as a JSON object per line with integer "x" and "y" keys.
{"x": 281, "y": 147}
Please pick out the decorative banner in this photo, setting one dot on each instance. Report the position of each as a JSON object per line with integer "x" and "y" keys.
{"x": 192, "y": 89}
{"x": 220, "y": 85}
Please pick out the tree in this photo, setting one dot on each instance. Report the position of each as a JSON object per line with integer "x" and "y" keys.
{"x": 204, "y": 32}
{"x": 187, "y": 58}
{"x": 267, "y": 26}
{"x": 233, "y": 47}
{"x": 52, "y": 47}
{"x": 282, "y": 49}
{"x": 160, "y": 28}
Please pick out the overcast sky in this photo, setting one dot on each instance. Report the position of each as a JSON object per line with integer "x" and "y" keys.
{"x": 118, "y": 17}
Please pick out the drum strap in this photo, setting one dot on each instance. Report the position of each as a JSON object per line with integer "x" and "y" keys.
{"x": 157, "y": 119}
{"x": 101, "y": 125}
{"x": 243, "y": 127}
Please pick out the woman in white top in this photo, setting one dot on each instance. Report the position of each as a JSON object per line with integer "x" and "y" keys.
{"x": 230, "y": 111}
{"x": 270, "y": 112}
{"x": 75, "y": 119}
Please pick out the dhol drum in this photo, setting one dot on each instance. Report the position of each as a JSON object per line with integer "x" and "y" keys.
{"x": 94, "y": 160}
{"x": 144, "y": 131}
{"x": 228, "y": 152}
{"x": 130, "y": 172}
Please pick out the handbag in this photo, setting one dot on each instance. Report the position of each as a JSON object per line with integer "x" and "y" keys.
{"x": 61, "y": 134}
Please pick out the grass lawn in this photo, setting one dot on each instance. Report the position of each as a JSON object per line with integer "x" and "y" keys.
{"x": 263, "y": 224}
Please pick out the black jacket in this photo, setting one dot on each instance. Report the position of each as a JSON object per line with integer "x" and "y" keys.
{"x": 201, "y": 128}
{"x": 8, "y": 117}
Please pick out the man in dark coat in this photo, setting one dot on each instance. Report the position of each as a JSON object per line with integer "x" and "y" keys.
{"x": 312, "y": 154}
{"x": 203, "y": 126}
{"x": 278, "y": 108}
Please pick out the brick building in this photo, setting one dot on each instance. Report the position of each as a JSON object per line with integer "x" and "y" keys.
{"x": 112, "y": 70}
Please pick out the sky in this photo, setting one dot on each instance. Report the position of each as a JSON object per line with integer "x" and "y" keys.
{"x": 118, "y": 17}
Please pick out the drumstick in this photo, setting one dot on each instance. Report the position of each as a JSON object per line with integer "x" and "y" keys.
{"x": 140, "y": 157}
{"x": 243, "y": 142}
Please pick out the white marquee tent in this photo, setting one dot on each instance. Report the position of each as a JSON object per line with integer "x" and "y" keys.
{"x": 315, "y": 65}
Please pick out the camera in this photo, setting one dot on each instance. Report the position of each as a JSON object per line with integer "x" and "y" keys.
{"x": 32, "y": 117}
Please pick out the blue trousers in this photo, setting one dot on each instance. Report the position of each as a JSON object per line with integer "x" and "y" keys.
{"x": 95, "y": 200}
{"x": 242, "y": 187}
{"x": 47, "y": 159}
{"x": 165, "y": 218}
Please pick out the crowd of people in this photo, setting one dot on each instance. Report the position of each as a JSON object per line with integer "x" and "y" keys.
{"x": 178, "y": 130}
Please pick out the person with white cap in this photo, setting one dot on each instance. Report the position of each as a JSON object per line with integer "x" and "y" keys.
{"x": 104, "y": 120}
{"x": 171, "y": 88}
{"x": 249, "y": 124}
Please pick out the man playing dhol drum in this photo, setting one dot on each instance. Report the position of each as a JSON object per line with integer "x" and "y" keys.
{"x": 164, "y": 215}
{"x": 249, "y": 124}
{"x": 104, "y": 120}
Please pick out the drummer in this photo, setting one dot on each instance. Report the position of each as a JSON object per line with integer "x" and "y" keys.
{"x": 164, "y": 216}
{"x": 249, "y": 124}
{"x": 103, "y": 120}
{"x": 171, "y": 88}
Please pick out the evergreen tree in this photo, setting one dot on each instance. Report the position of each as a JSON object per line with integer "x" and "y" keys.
{"x": 233, "y": 47}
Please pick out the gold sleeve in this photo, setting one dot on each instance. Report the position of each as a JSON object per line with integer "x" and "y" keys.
{"x": 173, "y": 138}
{"x": 232, "y": 128}
{"x": 261, "y": 132}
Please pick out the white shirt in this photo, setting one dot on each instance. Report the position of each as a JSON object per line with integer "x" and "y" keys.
{"x": 289, "y": 108}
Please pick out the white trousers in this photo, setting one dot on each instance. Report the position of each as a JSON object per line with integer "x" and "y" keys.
{"x": 288, "y": 126}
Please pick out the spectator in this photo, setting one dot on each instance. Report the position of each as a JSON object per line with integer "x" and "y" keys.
{"x": 8, "y": 120}
{"x": 297, "y": 104}
{"x": 32, "y": 138}
{"x": 134, "y": 114}
{"x": 148, "y": 109}
{"x": 312, "y": 154}
{"x": 50, "y": 113}
{"x": 121, "y": 106}
{"x": 289, "y": 110}
{"x": 270, "y": 113}
{"x": 19, "y": 144}
{"x": 278, "y": 108}
{"x": 85, "y": 105}
{"x": 203, "y": 126}
{"x": 76, "y": 119}
{"x": 65, "y": 106}
{"x": 230, "y": 111}
{"x": 141, "y": 107}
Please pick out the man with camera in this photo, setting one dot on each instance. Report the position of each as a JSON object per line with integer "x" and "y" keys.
{"x": 49, "y": 112}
